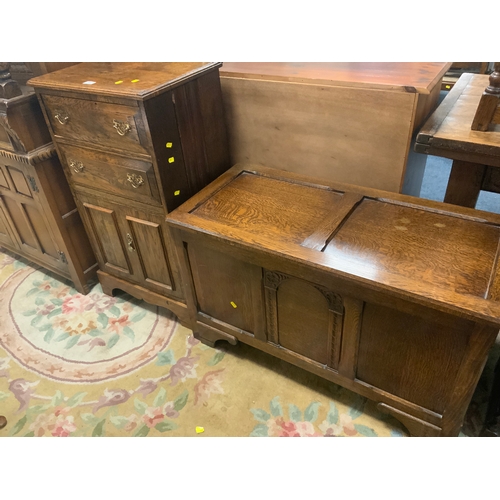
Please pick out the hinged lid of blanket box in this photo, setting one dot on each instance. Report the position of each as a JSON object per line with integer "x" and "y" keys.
{"x": 420, "y": 250}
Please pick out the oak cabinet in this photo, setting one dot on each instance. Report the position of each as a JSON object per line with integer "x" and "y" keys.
{"x": 393, "y": 297}
{"x": 136, "y": 140}
{"x": 38, "y": 215}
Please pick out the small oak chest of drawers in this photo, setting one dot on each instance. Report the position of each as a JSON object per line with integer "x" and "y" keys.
{"x": 136, "y": 140}
{"x": 390, "y": 296}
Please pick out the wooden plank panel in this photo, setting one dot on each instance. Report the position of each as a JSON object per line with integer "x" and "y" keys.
{"x": 106, "y": 235}
{"x": 151, "y": 250}
{"x": 336, "y": 133}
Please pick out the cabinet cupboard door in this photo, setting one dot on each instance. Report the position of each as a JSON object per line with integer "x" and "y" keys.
{"x": 6, "y": 237}
{"x": 102, "y": 222}
{"x": 131, "y": 244}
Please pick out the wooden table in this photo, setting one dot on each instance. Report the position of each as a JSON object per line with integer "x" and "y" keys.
{"x": 475, "y": 154}
{"x": 342, "y": 122}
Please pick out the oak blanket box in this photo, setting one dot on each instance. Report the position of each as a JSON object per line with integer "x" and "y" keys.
{"x": 393, "y": 297}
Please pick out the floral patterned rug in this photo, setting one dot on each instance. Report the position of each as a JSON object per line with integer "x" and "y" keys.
{"x": 94, "y": 365}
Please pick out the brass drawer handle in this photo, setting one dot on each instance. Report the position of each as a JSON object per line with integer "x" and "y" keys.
{"x": 121, "y": 127}
{"x": 61, "y": 116}
{"x": 135, "y": 180}
{"x": 77, "y": 166}
{"x": 130, "y": 243}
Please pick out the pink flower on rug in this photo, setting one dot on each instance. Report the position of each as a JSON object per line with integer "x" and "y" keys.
{"x": 46, "y": 309}
{"x": 44, "y": 285}
{"x": 58, "y": 423}
{"x": 153, "y": 416}
{"x": 211, "y": 383}
{"x": 344, "y": 426}
{"x": 183, "y": 369}
{"x": 132, "y": 423}
{"x": 101, "y": 303}
{"x": 118, "y": 324}
{"x": 7, "y": 260}
{"x": 279, "y": 427}
{"x": 77, "y": 303}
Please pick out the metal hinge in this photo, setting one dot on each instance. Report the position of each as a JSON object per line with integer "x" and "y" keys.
{"x": 63, "y": 258}
{"x": 32, "y": 182}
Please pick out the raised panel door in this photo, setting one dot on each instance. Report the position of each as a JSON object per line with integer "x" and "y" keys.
{"x": 102, "y": 222}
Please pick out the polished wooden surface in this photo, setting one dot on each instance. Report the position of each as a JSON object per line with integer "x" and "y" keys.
{"x": 395, "y": 299}
{"x": 421, "y": 76}
{"x": 135, "y": 80}
{"x": 475, "y": 154}
{"x": 488, "y": 110}
{"x": 132, "y": 152}
{"x": 38, "y": 216}
{"x": 341, "y": 122}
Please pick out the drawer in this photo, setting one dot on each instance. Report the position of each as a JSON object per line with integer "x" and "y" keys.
{"x": 133, "y": 179}
{"x": 112, "y": 125}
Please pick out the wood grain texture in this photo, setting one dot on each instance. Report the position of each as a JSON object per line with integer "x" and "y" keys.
{"x": 400, "y": 306}
{"x": 129, "y": 160}
{"x": 351, "y": 271}
{"x": 111, "y": 173}
{"x": 343, "y": 134}
{"x": 465, "y": 183}
{"x": 419, "y": 246}
{"x": 151, "y": 78}
{"x": 407, "y": 357}
{"x": 422, "y": 77}
{"x": 92, "y": 121}
{"x": 449, "y": 128}
{"x": 272, "y": 206}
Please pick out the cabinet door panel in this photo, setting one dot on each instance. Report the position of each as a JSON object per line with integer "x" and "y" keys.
{"x": 22, "y": 224}
{"x": 19, "y": 182}
{"x": 149, "y": 244}
{"x": 106, "y": 236}
{"x": 6, "y": 237}
{"x": 3, "y": 179}
{"x": 227, "y": 289}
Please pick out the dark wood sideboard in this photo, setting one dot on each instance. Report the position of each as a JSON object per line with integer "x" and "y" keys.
{"x": 38, "y": 216}
{"x": 136, "y": 140}
{"x": 391, "y": 296}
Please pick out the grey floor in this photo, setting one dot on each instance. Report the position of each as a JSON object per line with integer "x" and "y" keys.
{"x": 437, "y": 173}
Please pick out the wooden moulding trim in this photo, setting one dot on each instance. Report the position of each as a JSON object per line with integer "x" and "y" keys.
{"x": 433, "y": 124}
{"x": 321, "y": 370}
{"x": 36, "y": 156}
{"x": 465, "y": 147}
{"x": 414, "y": 425}
{"x": 472, "y": 157}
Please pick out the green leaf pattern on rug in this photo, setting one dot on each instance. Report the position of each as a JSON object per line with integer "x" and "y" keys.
{"x": 61, "y": 314}
{"x": 276, "y": 410}
{"x": 305, "y": 423}
{"x": 165, "y": 358}
{"x": 216, "y": 358}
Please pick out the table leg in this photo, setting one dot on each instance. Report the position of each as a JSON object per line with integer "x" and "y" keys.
{"x": 465, "y": 183}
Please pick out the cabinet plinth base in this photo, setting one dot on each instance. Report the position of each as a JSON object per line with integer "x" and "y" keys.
{"x": 110, "y": 283}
